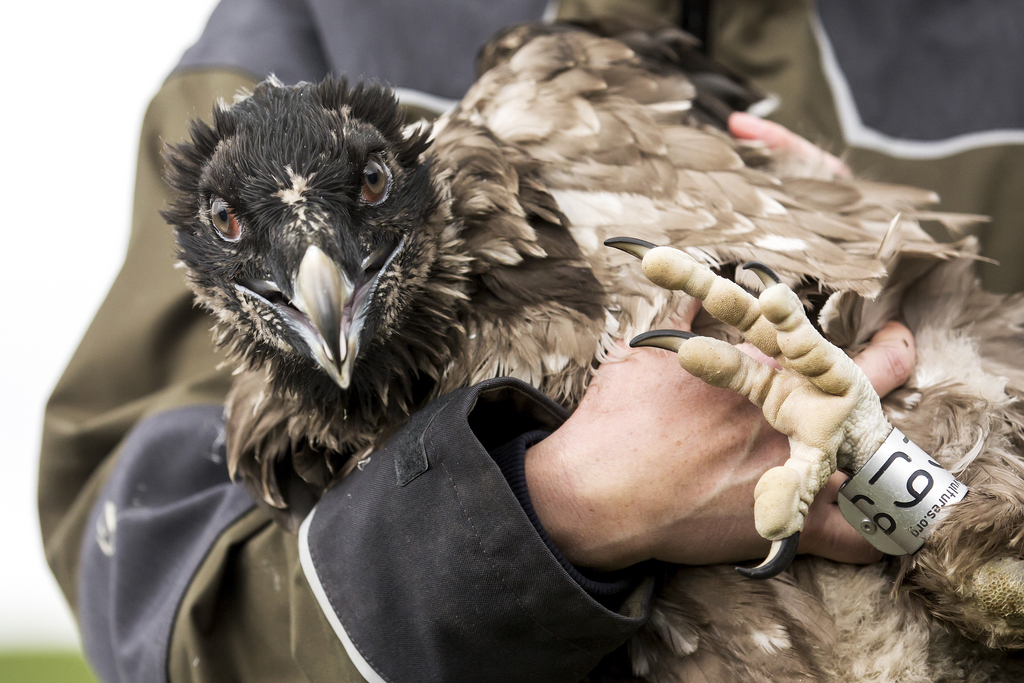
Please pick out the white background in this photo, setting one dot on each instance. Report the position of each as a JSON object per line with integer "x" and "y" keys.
{"x": 77, "y": 77}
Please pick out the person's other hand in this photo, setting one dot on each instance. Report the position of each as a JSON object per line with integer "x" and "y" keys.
{"x": 655, "y": 463}
{"x": 780, "y": 139}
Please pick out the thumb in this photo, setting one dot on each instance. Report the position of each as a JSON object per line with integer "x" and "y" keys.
{"x": 780, "y": 138}
{"x": 888, "y": 358}
{"x": 828, "y": 534}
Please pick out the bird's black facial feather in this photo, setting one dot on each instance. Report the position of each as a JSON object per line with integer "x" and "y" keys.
{"x": 316, "y": 165}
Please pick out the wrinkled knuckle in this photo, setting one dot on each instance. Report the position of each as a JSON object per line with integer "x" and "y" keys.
{"x": 899, "y": 335}
{"x": 898, "y": 363}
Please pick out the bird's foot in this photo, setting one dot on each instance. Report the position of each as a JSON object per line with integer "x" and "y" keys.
{"x": 819, "y": 398}
{"x": 998, "y": 587}
{"x": 970, "y": 573}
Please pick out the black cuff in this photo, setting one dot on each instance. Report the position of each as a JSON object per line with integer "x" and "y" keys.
{"x": 427, "y": 567}
{"x": 608, "y": 588}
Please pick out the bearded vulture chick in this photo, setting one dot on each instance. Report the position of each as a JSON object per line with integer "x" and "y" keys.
{"x": 358, "y": 268}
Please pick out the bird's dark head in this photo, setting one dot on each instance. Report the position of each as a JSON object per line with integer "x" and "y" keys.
{"x": 307, "y": 219}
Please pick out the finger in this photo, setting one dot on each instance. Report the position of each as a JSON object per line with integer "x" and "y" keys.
{"x": 724, "y": 299}
{"x": 749, "y": 127}
{"x": 830, "y": 493}
{"x": 816, "y": 156}
{"x": 828, "y": 534}
{"x": 834, "y": 539}
{"x": 780, "y": 138}
{"x": 889, "y": 358}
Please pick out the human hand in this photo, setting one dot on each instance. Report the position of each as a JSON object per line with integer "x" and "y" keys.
{"x": 655, "y": 463}
{"x": 780, "y": 139}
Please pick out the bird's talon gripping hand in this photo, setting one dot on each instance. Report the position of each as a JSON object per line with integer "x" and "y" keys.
{"x": 779, "y": 557}
{"x": 820, "y": 399}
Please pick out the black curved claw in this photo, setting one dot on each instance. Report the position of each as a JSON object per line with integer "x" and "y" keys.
{"x": 630, "y": 245}
{"x": 779, "y": 558}
{"x": 767, "y": 275}
{"x": 670, "y": 340}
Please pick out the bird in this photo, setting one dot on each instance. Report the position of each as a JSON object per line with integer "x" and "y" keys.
{"x": 358, "y": 266}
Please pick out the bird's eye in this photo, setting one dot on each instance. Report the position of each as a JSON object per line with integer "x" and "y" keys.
{"x": 376, "y": 180}
{"x": 224, "y": 219}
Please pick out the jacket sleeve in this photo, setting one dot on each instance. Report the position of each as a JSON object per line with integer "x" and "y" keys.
{"x": 147, "y": 350}
{"x": 421, "y": 566}
{"x": 428, "y": 568}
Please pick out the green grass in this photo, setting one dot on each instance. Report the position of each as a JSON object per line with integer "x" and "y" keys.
{"x": 44, "y": 667}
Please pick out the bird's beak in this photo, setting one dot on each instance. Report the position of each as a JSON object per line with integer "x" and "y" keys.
{"x": 322, "y": 292}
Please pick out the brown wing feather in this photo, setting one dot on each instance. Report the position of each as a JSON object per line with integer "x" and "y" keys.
{"x": 615, "y": 144}
{"x": 570, "y": 139}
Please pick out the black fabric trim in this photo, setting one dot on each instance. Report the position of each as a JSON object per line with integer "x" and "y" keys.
{"x": 172, "y": 499}
{"x": 410, "y": 453}
{"x": 609, "y": 588}
{"x": 930, "y": 70}
{"x": 425, "y": 46}
{"x": 446, "y": 578}
{"x": 261, "y": 37}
